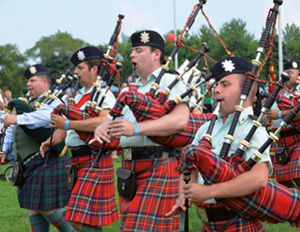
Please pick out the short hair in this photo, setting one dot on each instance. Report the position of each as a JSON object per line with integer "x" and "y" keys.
{"x": 90, "y": 63}
{"x": 162, "y": 55}
{"x": 7, "y": 91}
{"x": 254, "y": 87}
{"x": 45, "y": 76}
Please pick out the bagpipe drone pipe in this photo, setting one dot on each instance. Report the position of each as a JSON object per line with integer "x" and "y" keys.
{"x": 271, "y": 22}
{"x": 74, "y": 113}
{"x": 58, "y": 88}
{"x": 107, "y": 72}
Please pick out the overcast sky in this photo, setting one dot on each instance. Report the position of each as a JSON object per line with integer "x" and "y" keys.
{"x": 23, "y": 22}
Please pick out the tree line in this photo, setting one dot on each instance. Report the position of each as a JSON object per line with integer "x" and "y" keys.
{"x": 55, "y": 51}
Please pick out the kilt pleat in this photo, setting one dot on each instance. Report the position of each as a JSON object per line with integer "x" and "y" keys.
{"x": 92, "y": 200}
{"x": 45, "y": 188}
{"x": 291, "y": 170}
{"x": 157, "y": 192}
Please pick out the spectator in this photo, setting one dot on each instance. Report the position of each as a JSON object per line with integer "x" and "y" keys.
{"x": 8, "y": 95}
{"x": 129, "y": 80}
{"x": 124, "y": 85}
{"x": 66, "y": 96}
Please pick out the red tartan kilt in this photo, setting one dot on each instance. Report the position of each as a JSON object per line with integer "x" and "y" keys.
{"x": 156, "y": 194}
{"x": 291, "y": 170}
{"x": 92, "y": 201}
{"x": 274, "y": 203}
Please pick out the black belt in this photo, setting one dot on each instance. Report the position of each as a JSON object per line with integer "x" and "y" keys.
{"x": 150, "y": 153}
{"x": 219, "y": 214}
{"x": 287, "y": 133}
{"x": 82, "y": 150}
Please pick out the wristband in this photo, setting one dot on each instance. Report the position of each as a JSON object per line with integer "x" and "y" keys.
{"x": 279, "y": 115}
{"x": 136, "y": 128}
{"x": 1, "y": 99}
{"x": 67, "y": 124}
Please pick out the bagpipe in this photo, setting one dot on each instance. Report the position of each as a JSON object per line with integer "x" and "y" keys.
{"x": 275, "y": 203}
{"x": 107, "y": 72}
{"x": 23, "y": 106}
{"x": 150, "y": 106}
{"x": 57, "y": 89}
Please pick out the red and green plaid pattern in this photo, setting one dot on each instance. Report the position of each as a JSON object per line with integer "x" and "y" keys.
{"x": 45, "y": 188}
{"x": 146, "y": 108}
{"x": 157, "y": 192}
{"x": 242, "y": 224}
{"x": 73, "y": 113}
{"x": 71, "y": 102}
{"x": 93, "y": 197}
{"x": 291, "y": 170}
{"x": 274, "y": 203}
{"x": 285, "y": 103}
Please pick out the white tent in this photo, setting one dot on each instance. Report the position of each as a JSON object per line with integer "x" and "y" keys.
{"x": 187, "y": 74}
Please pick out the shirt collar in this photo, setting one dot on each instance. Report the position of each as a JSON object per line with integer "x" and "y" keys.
{"x": 82, "y": 90}
{"x": 243, "y": 116}
{"x": 151, "y": 77}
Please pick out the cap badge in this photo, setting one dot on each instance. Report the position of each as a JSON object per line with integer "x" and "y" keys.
{"x": 228, "y": 66}
{"x": 80, "y": 55}
{"x": 32, "y": 70}
{"x": 294, "y": 64}
{"x": 145, "y": 38}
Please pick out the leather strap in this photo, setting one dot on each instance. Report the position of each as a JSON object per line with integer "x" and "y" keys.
{"x": 232, "y": 220}
{"x": 155, "y": 166}
{"x": 82, "y": 100}
{"x": 90, "y": 161}
{"x": 80, "y": 167}
{"x": 285, "y": 133}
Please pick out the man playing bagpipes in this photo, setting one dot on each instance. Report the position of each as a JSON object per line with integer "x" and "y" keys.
{"x": 157, "y": 187}
{"x": 230, "y": 74}
{"x": 286, "y": 162}
{"x": 41, "y": 191}
{"x": 92, "y": 203}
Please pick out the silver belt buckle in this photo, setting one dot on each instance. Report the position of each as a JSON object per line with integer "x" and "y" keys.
{"x": 127, "y": 155}
{"x": 202, "y": 214}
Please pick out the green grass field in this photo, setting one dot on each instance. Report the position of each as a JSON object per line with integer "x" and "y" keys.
{"x": 14, "y": 219}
